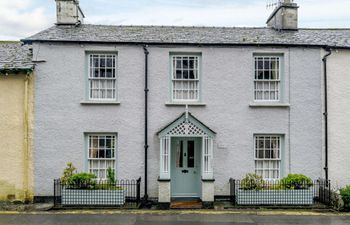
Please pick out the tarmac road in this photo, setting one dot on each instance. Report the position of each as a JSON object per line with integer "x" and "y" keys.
{"x": 167, "y": 218}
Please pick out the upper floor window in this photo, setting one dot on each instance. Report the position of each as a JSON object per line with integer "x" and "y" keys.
{"x": 101, "y": 154}
{"x": 268, "y": 156}
{"x": 267, "y": 80}
{"x": 102, "y": 77}
{"x": 185, "y": 78}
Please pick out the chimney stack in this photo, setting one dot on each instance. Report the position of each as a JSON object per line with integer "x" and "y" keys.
{"x": 68, "y": 12}
{"x": 285, "y": 16}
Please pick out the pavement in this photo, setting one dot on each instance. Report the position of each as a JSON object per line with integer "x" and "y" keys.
{"x": 174, "y": 217}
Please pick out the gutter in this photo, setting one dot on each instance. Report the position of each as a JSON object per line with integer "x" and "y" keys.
{"x": 324, "y": 59}
{"x": 146, "y": 52}
{"x": 29, "y": 41}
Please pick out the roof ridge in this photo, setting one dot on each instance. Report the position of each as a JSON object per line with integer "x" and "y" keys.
{"x": 175, "y": 26}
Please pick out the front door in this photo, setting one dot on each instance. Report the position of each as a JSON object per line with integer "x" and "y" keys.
{"x": 185, "y": 167}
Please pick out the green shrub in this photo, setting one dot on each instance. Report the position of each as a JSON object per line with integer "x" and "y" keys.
{"x": 68, "y": 172}
{"x": 111, "y": 176}
{"x": 252, "y": 182}
{"x": 345, "y": 194}
{"x": 82, "y": 181}
{"x": 296, "y": 181}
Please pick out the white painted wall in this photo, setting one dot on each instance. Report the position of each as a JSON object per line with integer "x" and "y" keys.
{"x": 339, "y": 117}
{"x": 227, "y": 90}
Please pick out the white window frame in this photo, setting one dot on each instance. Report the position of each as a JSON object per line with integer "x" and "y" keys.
{"x": 264, "y": 159}
{"x": 105, "y": 159}
{"x": 196, "y": 80}
{"x": 207, "y": 157}
{"x": 91, "y": 78}
{"x": 165, "y": 143}
{"x": 270, "y": 82}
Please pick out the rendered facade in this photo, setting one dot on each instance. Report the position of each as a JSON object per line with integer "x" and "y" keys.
{"x": 16, "y": 116}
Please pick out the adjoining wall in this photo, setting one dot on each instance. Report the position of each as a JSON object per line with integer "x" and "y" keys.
{"x": 227, "y": 85}
{"x": 16, "y": 158}
{"x": 339, "y": 117}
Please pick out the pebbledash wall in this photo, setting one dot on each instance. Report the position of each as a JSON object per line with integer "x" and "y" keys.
{"x": 339, "y": 117}
{"x": 226, "y": 89}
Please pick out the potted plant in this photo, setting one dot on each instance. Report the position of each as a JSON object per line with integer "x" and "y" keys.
{"x": 84, "y": 189}
{"x": 295, "y": 189}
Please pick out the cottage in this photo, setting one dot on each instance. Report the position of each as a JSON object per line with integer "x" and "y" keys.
{"x": 16, "y": 116}
{"x": 185, "y": 108}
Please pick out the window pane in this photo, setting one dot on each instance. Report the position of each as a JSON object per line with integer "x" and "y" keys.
{"x": 179, "y": 155}
{"x": 190, "y": 154}
{"x": 185, "y": 74}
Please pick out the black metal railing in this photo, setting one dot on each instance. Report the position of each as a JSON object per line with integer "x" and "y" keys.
{"x": 277, "y": 193}
{"x": 122, "y": 193}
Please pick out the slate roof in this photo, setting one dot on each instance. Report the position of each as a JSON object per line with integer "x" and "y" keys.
{"x": 14, "y": 56}
{"x": 194, "y": 35}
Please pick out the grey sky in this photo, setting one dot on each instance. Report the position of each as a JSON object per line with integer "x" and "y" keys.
{"x": 21, "y": 18}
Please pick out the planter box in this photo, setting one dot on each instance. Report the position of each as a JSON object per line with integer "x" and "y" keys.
{"x": 275, "y": 197}
{"x": 93, "y": 197}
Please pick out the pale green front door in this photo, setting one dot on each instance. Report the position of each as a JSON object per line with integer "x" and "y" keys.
{"x": 185, "y": 167}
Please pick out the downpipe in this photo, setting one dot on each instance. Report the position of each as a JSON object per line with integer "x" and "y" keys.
{"x": 145, "y": 202}
{"x": 325, "y": 114}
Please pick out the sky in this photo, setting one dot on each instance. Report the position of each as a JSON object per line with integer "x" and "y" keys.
{"x": 22, "y": 18}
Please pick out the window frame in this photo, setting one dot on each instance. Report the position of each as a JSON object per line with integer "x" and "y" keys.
{"x": 89, "y": 76}
{"x": 88, "y": 158}
{"x": 279, "y": 159}
{"x": 280, "y": 57}
{"x": 199, "y": 79}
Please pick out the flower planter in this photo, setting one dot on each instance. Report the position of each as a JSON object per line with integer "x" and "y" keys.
{"x": 93, "y": 197}
{"x": 275, "y": 197}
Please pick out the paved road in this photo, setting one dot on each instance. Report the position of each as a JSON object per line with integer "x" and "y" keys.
{"x": 167, "y": 219}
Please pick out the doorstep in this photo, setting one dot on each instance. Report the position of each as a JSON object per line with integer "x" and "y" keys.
{"x": 186, "y": 204}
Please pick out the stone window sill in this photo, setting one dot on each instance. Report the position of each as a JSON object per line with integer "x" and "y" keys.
{"x": 100, "y": 103}
{"x": 185, "y": 103}
{"x": 268, "y": 105}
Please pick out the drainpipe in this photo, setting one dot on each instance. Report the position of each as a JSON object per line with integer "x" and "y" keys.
{"x": 26, "y": 139}
{"x": 324, "y": 59}
{"x": 146, "y": 117}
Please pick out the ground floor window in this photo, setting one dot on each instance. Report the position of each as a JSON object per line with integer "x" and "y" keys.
{"x": 101, "y": 154}
{"x": 268, "y": 156}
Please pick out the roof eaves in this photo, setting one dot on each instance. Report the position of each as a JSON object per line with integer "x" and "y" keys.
{"x": 31, "y": 41}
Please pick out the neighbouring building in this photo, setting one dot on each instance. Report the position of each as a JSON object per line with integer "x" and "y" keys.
{"x": 338, "y": 72}
{"x": 221, "y": 102}
{"x": 16, "y": 116}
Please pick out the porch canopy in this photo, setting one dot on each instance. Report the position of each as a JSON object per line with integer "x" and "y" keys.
{"x": 186, "y": 125}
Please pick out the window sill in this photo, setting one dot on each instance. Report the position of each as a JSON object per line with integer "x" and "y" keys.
{"x": 185, "y": 103}
{"x": 269, "y": 105}
{"x": 100, "y": 102}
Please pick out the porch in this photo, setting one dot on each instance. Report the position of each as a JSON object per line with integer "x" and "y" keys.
{"x": 186, "y": 169}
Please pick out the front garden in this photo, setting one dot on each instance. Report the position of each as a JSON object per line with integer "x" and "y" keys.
{"x": 75, "y": 189}
{"x": 293, "y": 190}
